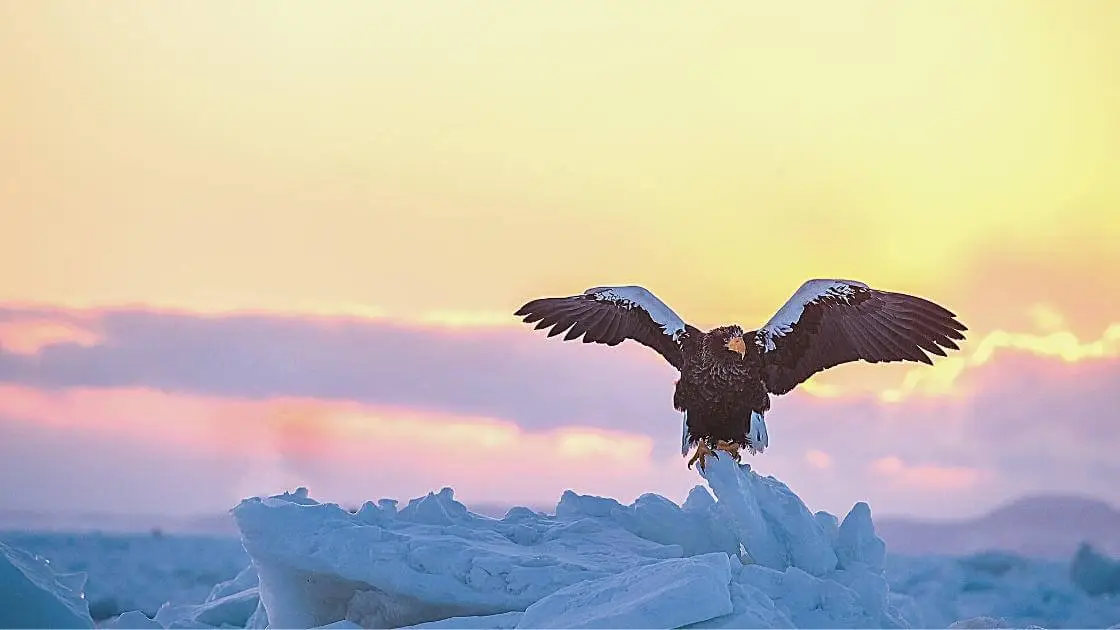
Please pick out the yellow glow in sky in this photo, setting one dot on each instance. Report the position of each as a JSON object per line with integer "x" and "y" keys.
{"x": 462, "y": 157}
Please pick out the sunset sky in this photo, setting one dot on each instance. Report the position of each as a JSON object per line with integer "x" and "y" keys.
{"x": 248, "y": 246}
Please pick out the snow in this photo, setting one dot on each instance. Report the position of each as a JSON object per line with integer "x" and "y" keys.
{"x": 768, "y": 519}
{"x": 137, "y": 572}
{"x": 133, "y": 619}
{"x": 856, "y": 542}
{"x": 233, "y": 610}
{"x": 752, "y": 555}
{"x": 595, "y": 563}
{"x": 497, "y": 622}
{"x": 1020, "y": 591}
{"x": 33, "y": 595}
{"x": 667, "y": 594}
{"x": 1095, "y": 573}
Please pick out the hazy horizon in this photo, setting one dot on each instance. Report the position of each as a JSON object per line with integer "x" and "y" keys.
{"x": 494, "y": 508}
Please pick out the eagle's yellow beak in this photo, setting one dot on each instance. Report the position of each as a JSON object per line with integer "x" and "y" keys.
{"x": 736, "y": 344}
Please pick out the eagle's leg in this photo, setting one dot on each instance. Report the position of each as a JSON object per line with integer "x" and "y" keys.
{"x": 730, "y": 448}
{"x": 702, "y": 451}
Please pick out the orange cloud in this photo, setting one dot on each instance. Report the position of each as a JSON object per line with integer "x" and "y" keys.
{"x": 466, "y": 319}
{"x": 925, "y": 477}
{"x": 943, "y": 377}
{"x": 894, "y": 382}
{"x": 1047, "y": 319}
{"x": 30, "y": 336}
{"x": 818, "y": 459}
{"x": 318, "y": 428}
{"x": 486, "y": 457}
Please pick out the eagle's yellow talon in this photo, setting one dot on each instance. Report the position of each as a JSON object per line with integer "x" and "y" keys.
{"x": 730, "y": 448}
{"x": 702, "y": 451}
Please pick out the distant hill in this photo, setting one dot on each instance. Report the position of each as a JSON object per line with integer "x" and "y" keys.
{"x": 1045, "y": 526}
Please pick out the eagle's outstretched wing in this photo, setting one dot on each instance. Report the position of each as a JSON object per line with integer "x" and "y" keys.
{"x": 611, "y": 315}
{"x": 829, "y": 322}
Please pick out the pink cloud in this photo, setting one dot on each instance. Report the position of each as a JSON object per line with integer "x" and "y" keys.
{"x": 340, "y": 445}
{"x": 507, "y": 373}
{"x": 818, "y": 458}
{"x": 926, "y": 477}
{"x": 1025, "y": 424}
{"x": 29, "y": 336}
{"x": 365, "y": 408}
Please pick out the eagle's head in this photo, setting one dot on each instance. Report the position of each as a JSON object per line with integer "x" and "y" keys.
{"x": 728, "y": 341}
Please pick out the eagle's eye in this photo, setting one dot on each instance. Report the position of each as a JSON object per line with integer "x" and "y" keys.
{"x": 737, "y": 345}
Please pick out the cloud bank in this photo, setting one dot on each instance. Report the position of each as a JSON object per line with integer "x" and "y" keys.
{"x": 501, "y": 412}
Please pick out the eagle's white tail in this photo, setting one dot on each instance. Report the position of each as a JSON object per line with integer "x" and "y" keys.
{"x": 757, "y": 440}
{"x": 684, "y": 435}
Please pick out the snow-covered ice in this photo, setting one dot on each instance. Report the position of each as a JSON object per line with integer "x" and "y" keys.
{"x": 139, "y": 571}
{"x": 595, "y": 563}
{"x": 501, "y": 621}
{"x": 667, "y": 594}
{"x": 1095, "y": 573}
{"x": 33, "y": 595}
{"x": 752, "y": 555}
{"x": 1015, "y": 590}
{"x": 132, "y": 620}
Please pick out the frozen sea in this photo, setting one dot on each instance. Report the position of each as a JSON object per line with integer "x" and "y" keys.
{"x": 742, "y": 552}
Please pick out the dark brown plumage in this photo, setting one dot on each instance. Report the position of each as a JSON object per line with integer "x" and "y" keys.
{"x": 727, "y": 375}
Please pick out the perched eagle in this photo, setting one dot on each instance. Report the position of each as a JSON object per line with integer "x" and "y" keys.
{"x": 726, "y": 374}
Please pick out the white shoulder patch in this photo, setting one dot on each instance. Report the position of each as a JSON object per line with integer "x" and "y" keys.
{"x": 633, "y": 296}
{"x": 809, "y": 293}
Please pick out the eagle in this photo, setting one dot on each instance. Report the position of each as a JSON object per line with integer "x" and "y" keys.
{"x": 727, "y": 375}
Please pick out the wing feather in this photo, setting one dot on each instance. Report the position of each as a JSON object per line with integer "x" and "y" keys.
{"x": 600, "y": 330}
{"x": 611, "y": 336}
{"x": 829, "y": 322}
{"x": 930, "y": 330}
{"x": 595, "y": 324}
{"x": 857, "y": 343}
{"x": 918, "y": 334}
{"x": 610, "y": 315}
{"x": 583, "y": 324}
{"x": 904, "y": 345}
{"x": 931, "y": 327}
